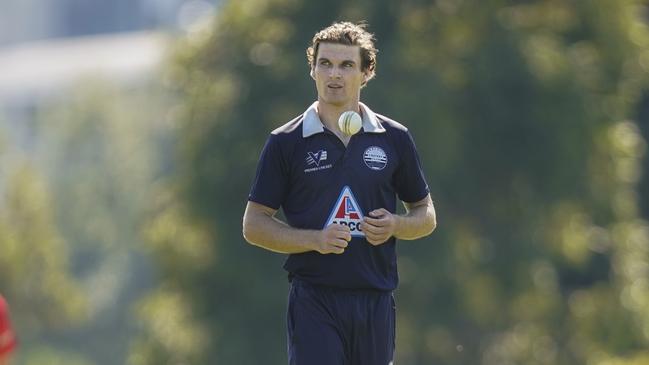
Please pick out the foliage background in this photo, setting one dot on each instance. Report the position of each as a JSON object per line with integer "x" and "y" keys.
{"x": 120, "y": 225}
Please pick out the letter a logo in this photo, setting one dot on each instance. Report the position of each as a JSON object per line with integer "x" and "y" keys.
{"x": 347, "y": 212}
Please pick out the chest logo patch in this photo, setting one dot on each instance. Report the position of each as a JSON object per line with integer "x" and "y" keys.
{"x": 375, "y": 158}
{"x": 314, "y": 161}
{"x": 347, "y": 212}
{"x": 316, "y": 158}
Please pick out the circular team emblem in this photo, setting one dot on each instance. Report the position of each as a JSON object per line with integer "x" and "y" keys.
{"x": 375, "y": 158}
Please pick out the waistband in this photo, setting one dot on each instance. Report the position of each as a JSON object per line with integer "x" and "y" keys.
{"x": 301, "y": 283}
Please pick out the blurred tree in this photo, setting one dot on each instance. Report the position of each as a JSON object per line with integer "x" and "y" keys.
{"x": 34, "y": 266}
{"x": 102, "y": 148}
{"x": 72, "y": 222}
{"x": 522, "y": 113}
{"x": 35, "y": 272}
{"x": 181, "y": 247}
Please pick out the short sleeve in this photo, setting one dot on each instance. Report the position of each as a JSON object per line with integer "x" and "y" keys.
{"x": 271, "y": 178}
{"x": 410, "y": 183}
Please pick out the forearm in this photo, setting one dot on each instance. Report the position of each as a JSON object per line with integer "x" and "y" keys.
{"x": 418, "y": 222}
{"x": 274, "y": 235}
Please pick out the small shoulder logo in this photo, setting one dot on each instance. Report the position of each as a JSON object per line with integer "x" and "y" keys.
{"x": 316, "y": 158}
{"x": 375, "y": 158}
{"x": 347, "y": 212}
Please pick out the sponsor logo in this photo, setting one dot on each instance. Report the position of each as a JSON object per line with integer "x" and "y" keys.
{"x": 316, "y": 158}
{"x": 347, "y": 212}
{"x": 375, "y": 158}
{"x": 313, "y": 159}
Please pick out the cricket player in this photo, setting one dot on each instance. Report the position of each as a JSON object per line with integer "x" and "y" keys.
{"x": 339, "y": 196}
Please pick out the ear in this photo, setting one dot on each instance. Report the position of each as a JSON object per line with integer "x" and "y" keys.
{"x": 312, "y": 73}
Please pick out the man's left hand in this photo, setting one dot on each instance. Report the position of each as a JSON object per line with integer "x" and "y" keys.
{"x": 378, "y": 226}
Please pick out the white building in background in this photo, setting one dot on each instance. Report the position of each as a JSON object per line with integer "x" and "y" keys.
{"x": 22, "y": 20}
{"x": 30, "y": 20}
{"x": 31, "y": 71}
{"x": 47, "y": 46}
{"x": 32, "y": 74}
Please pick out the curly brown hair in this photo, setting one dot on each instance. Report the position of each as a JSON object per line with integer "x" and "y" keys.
{"x": 349, "y": 34}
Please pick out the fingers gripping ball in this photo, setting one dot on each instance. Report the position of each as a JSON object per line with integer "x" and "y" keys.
{"x": 350, "y": 122}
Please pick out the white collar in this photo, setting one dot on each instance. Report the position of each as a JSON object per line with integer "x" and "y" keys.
{"x": 312, "y": 124}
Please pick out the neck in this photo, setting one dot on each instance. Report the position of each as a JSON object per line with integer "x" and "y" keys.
{"x": 330, "y": 113}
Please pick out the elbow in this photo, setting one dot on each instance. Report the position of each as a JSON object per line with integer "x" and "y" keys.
{"x": 257, "y": 224}
{"x": 432, "y": 223}
{"x": 429, "y": 228}
{"x": 247, "y": 231}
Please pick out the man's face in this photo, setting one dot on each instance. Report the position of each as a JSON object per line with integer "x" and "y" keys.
{"x": 337, "y": 74}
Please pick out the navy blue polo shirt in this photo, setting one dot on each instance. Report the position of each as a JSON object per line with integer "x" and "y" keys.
{"x": 307, "y": 171}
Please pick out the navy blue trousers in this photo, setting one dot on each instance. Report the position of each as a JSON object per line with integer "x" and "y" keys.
{"x": 330, "y": 326}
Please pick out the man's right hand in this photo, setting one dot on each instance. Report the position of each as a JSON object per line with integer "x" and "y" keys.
{"x": 333, "y": 239}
